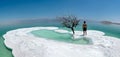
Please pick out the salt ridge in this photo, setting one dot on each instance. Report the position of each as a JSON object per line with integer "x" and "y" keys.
{"x": 24, "y": 44}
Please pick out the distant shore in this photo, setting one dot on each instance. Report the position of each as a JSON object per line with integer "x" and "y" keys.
{"x": 109, "y": 22}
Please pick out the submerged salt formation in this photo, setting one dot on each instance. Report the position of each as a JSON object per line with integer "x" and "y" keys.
{"x": 25, "y": 44}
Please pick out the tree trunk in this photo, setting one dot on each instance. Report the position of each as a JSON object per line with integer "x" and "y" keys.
{"x": 73, "y": 30}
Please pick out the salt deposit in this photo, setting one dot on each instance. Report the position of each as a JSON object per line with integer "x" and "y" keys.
{"x": 25, "y": 44}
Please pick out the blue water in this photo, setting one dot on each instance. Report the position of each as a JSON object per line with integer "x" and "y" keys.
{"x": 110, "y": 30}
{"x": 61, "y": 37}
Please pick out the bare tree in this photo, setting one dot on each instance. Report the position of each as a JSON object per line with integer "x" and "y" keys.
{"x": 70, "y": 22}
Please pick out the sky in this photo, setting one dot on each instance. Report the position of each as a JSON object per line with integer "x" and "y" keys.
{"x": 85, "y": 9}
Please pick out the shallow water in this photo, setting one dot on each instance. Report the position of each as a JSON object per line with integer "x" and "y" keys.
{"x": 4, "y": 51}
{"x": 110, "y": 30}
{"x": 63, "y": 37}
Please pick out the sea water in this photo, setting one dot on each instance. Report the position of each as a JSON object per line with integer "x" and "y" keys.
{"x": 61, "y": 37}
{"x": 109, "y": 30}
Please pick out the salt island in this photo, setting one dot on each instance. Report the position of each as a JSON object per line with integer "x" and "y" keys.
{"x": 25, "y": 44}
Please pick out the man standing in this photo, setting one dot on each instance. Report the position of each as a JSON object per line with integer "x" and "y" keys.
{"x": 84, "y": 28}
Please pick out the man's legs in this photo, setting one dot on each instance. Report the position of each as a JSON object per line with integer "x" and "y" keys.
{"x": 84, "y": 33}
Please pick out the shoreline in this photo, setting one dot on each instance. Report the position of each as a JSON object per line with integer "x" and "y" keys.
{"x": 17, "y": 40}
{"x": 109, "y": 22}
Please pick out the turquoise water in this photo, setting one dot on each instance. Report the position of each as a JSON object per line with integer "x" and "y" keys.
{"x": 63, "y": 37}
{"x": 110, "y": 30}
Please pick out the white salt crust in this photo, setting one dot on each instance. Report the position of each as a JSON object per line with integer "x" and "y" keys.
{"x": 25, "y": 44}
